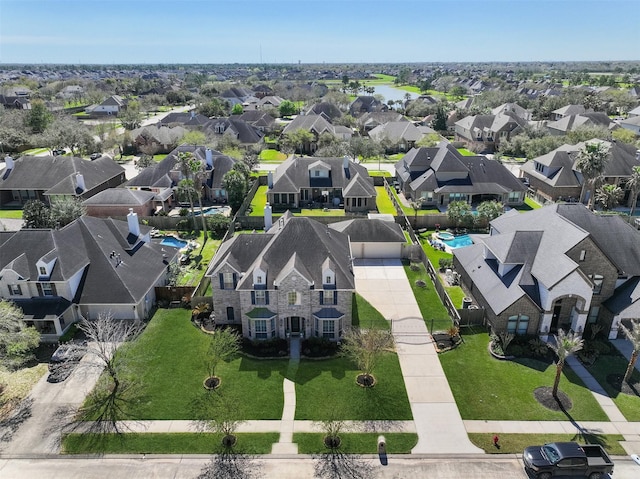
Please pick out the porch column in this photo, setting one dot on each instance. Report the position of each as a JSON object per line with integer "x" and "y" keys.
{"x": 578, "y": 321}
{"x": 545, "y": 325}
{"x": 615, "y": 325}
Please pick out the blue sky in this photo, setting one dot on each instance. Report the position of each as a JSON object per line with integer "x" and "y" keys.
{"x": 315, "y": 31}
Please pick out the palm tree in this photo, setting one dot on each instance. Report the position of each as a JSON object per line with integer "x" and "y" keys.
{"x": 186, "y": 189}
{"x": 417, "y": 206}
{"x": 192, "y": 170}
{"x": 565, "y": 345}
{"x": 609, "y": 196}
{"x": 633, "y": 183}
{"x": 632, "y": 335}
{"x": 592, "y": 160}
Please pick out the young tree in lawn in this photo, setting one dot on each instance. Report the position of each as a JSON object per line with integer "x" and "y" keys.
{"x": 223, "y": 346}
{"x": 144, "y": 162}
{"x": 609, "y": 196}
{"x": 564, "y": 345}
{"x": 633, "y": 183}
{"x": 17, "y": 340}
{"x": 287, "y": 108}
{"x": 633, "y": 335}
{"x": 592, "y": 160}
{"x": 365, "y": 347}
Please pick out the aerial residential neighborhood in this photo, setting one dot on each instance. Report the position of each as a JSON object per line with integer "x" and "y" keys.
{"x": 281, "y": 247}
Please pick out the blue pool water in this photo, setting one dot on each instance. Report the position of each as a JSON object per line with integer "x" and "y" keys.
{"x": 173, "y": 242}
{"x": 459, "y": 242}
{"x": 215, "y": 210}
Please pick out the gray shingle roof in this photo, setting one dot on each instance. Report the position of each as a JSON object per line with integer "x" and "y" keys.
{"x": 370, "y": 230}
{"x": 120, "y": 196}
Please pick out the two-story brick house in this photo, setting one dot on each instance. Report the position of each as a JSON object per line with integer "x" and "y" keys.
{"x": 293, "y": 280}
{"x": 554, "y": 268}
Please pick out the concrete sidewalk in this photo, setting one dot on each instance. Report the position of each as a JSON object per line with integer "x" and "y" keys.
{"x": 384, "y": 284}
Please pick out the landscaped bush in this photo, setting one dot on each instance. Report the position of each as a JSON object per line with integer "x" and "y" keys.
{"x": 217, "y": 226}
{"x": 445, "y": 263}
{"x": 319, "y": 347}
{"x": 415, "y": 266}
{"x": 265, "y": 348}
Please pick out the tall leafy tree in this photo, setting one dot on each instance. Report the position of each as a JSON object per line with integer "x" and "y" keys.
{"x": 235, "y": 183}
{"x": 64, "y": 210}
{"x": 287, "y": 108}
{"x": 489, "y": 210}
{"x": 609, "y": 196}
{"x": 17, "y": 340}
{"x": 633, "y": 335}
{"x": 633, "y": 183}
{"x": 36, "y": 215}
{"x": 564, "y": 345}
{"x": 458, "y": 212}
{"x": 592, "y": 160}
{"x": 38, "y": 117}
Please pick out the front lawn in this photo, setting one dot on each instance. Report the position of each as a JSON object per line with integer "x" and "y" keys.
{"x": 328, "y": 387}
{"x": 612, "y": 364}
{"x": 366, "y": 316}
{"x": 165, "y": 443}
{"x": 465, "y": 152}
{"x": 356, "y": 443}
{"x": 383, "y": 202}
{"x": 11, "y": 214}
{"x": 433, "y": 311}
{"x": 17, "y": 385}
{"x": 515, "y": 443}
{"x": 488, "y": 388}
{"x": 168, "y": 368}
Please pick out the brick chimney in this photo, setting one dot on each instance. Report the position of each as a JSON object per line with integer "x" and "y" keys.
{"x": 270, "y": 179}
{"x": 8, "y": 162}
{"x": 132, "y": 220}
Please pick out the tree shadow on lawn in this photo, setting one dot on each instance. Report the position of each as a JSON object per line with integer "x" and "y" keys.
{"x": 264, "y": 368}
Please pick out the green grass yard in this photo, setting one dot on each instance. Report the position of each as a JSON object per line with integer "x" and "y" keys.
{"x": 366, "y": 316}
{"x": 11, "y": 214}
{"x": 491, "y": 389}
{"x": 515, "y": 443}
{"x": 272, "y": 156}
{"x": 434, "y": 313}
{"x": 165, "y": 443}
{"x": 383, "y": 202}
{"x": 356, "y": 443}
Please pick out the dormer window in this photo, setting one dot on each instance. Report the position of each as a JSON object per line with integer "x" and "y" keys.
{"x": 328, "y": 279}
{"x": 539, "y": 167}
{"x": 259, "y": 280}
{"x": 583, "y": 255}
{"x": 42, "y": 271}
{"x": 15, "y": 290}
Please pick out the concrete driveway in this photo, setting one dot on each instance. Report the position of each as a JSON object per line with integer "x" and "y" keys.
{"x": 42, "y": 416}
{"x": 440, "y": 428}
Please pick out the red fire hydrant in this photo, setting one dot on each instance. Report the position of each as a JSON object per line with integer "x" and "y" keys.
{"x": 496, "y": 441}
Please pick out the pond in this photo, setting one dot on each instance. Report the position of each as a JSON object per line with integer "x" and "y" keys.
{"x": 390, "y": 93}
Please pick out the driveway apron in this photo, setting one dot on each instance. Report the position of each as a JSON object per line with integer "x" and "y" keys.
{"x": 384, "y": 284}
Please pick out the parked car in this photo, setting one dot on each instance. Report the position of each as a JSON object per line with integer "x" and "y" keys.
{"x": 95, "y": 156}
{"x": 59, "y": 152}
{"x": 63, "y": 361}
{"x": 567, "y": 459}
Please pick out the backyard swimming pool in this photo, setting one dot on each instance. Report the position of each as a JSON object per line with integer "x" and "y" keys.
{"x": 458, "y": 241}
{"x": 215, "y": 210}
{"x": 173, "y": 242}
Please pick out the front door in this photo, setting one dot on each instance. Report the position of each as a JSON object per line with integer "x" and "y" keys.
{"x": 295, "y": 325}
{"x": 554, "y": 318}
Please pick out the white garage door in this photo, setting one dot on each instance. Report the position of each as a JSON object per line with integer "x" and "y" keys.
{"x": 377, "y": 250}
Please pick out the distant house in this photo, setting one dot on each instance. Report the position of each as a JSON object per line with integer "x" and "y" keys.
{"x": 369, "y": 121}
{"x": 111, "y": 106}
{"x": 568, "y": 110}
{"x": 40, "y": 178}
{"x": 90, "y": 267}
{"x": 399, "y": 136}
{"x": 512, "y": 108}
{"x": 71, "y": 92}
{"x": 635, "y": 112}
{"x": 157, "y": 138}
{"x": 269, "y": 102}
{"x": 164, "y": 176}
{"x": 325, "y": 108}
{"x": 235, "y": 128}
{"x": 440, "y": 175}
{"x": 120, "y": 201}
{"x": 366, "y": 104}
{"x": 15, "y": 102}
{"x": 486, "y": 132}
{"x": 553, "y": 268}
{"x": 317, "y": 125}
{"x": 299, "y": 182}
{"x": 294, "y": 280}
{"x": 554, "y": 176}
{"x": 189, "y": 119}
{"x": 632, "y": 123}
{"x": 572, "y": 122}
{"x": 260, "y": 120}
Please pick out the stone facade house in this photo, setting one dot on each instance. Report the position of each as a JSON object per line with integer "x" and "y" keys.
{"x": 321, "y": 182}
{"x": 295, "y": 279}
{"x": 440, "y": 175}
{"x": 89, "y": 267}
{"x": 554, "y": 176}
{"x": 554, "y": 268}
{"x": 485, "y": 132}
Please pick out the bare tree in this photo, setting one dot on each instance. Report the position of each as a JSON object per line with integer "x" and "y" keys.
{"x": 224, "y": 344}
{"x": 104, "y": 336}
